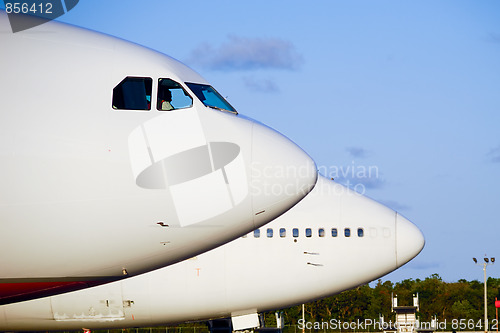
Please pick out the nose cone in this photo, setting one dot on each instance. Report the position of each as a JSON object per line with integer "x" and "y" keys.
{"x": 409, "y": 240}
{"x": 282, "y": 174}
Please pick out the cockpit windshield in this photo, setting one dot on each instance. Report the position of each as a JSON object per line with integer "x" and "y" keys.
{"x": 210, "y": 97}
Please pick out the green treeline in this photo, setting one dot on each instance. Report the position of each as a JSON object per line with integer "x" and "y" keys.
{"x": 447, "y": 301}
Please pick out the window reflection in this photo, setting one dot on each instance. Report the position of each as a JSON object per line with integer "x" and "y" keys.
{"x": 210, "y": 97}
{"x": 171, "y": 96}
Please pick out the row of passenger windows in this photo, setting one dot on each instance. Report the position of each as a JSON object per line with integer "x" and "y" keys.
{"x": 321, "y": 232}
{"x": 134, "y": 93}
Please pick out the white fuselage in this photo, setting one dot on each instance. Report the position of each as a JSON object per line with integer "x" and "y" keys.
{"x": 93, "y": 188}
{"x": 248, "y": 275}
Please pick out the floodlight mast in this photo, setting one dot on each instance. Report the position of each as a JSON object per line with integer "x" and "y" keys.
{"x": 486, "y": 263}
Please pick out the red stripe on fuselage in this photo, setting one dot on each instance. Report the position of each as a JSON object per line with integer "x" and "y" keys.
{"x": 16, "y": 292}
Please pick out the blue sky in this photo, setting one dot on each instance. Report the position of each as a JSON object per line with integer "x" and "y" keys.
{"x": 410, "y": 89}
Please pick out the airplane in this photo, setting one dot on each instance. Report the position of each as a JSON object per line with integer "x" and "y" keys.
{"x": 333, "y": 240}
{"x": 116, "y": 160}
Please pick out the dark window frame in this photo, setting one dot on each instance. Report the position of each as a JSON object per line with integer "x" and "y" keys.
{"x": 160, "y": 94}
{"x": 128, "y": 101}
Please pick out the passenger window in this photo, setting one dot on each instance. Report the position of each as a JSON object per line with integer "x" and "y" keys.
{"x": 171, "y": 96}
{"x": 334, "y": 232}
{"x": 133, "y": 93}
{"x": 321, "y": 232}
{"x": 347, "y": 232}
{"x": 269, "y": 233}
{"x": 361, "y": 232}
{"x": 295, "y": 232}
{"x": 308, "y": 232}
{"x": 256, "y": 233}
{"x": 282, "y": 232}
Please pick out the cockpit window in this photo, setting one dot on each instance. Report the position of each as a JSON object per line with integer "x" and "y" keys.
{"x": 171, "y": 96}
{"x": 133, "y": 93}
{"x": 210, "y": 97}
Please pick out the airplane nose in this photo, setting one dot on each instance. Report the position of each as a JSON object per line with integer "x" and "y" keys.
{"x": 282, "y": 174}
{"x": 409, "y": 240}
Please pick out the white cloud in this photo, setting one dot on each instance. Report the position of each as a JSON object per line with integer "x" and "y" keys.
{"x": 494, "y": 37}
{"x": 265, "y": 86}
{"x": 494, "y": 155}
{"x": 240, "y": 53}
{"x": 357, "y": 152}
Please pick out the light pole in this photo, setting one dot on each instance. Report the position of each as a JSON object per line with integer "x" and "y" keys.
{"x": 487, "y": 261}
